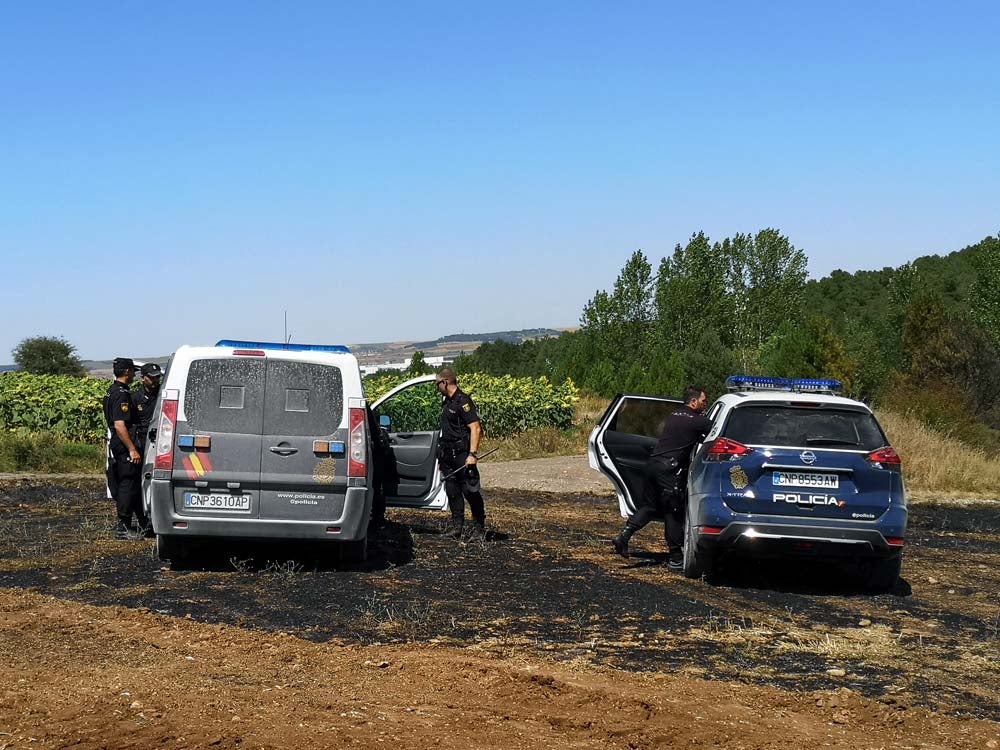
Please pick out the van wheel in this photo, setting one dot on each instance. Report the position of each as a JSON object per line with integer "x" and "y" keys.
{"x": 697, "y": 562}
{"x": 170, "y": 549}
{"x": 354, "y": 551}
{"x": 883, "y": 574}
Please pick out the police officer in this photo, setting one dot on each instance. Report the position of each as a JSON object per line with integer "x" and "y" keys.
{"x": 665, "y": 496}
{"x": 122, "y": 423}
{"x": 144, "y": 401}
{"x": 461, "y": 432}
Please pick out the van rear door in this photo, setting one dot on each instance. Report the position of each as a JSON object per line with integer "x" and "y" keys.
{"x": 303, "y": 403}
{"x": 223, "y": 408}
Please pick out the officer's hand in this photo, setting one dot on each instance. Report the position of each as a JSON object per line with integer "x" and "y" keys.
{"x": 470, "y": 460}
{"x": 133, "y": 456}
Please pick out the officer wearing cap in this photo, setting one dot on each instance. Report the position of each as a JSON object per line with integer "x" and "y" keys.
{"x": 144, "y": 401}
{"x": 122, "y": 422}
{"x": 461, "y": 432}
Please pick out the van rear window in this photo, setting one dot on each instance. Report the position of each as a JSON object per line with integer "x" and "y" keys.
{"x": 302, "y": 399}
{"x": 225, "y": 395}
{"x": 804, "y": 427}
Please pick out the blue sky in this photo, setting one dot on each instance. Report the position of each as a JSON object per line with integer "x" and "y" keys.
{"x": 367, "y": 166}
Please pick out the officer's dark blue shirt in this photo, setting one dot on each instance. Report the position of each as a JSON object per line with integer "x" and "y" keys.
{"x": 682, "y": 429}
{"x": 457, "y": 413}
{"x": 118, "y": 407}
{"x": 144, "y": 402}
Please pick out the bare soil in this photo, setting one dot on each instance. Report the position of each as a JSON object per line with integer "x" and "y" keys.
{"x": 535, "y": 636}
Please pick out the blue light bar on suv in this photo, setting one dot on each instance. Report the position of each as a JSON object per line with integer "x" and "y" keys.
{"x": 770, "y": 383}
{"x": 283, "y": 347}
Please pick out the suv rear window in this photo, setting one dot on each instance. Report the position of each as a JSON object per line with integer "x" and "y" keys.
{"x": 225, "y": 395}
{"x": 801, "y": 426}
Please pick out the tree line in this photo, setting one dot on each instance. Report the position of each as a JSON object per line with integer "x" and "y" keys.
{"x": 922, "y": 338}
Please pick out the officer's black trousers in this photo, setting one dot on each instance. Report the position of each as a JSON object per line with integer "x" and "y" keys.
{"x": 663, "y": 500}
{"x": 129, "y": 497}
{"x": 457, "y": 490}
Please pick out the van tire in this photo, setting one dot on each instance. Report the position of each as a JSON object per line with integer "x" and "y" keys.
{"x": 170, "y": 549}
{"x": 354, "y": 551}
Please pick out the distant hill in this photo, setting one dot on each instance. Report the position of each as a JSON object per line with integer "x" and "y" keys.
{"x": 451, "y": 345}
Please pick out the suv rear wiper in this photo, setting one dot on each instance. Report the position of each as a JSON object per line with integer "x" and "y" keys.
{"x": 830, "y": 441}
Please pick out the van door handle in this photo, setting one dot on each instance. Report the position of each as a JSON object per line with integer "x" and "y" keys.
{"x": 283, "y": 451}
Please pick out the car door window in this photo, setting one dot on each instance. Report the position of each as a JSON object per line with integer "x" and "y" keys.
{"x": 415, "y": 409}
{"x": 642, "y": 416}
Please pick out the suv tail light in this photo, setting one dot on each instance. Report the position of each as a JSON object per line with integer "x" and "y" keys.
{"x": 885, "y": 458}
{"x": 165, "y": 435}
{"x": 724, "y": 449}
{"x": 358, "y": 457}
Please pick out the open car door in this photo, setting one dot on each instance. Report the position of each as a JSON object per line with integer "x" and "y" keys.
{"x": 620, "y": 446}
{"x": 411, "y": 415}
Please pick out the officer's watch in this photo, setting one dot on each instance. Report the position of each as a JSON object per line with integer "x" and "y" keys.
{"x": 473, "y": 454}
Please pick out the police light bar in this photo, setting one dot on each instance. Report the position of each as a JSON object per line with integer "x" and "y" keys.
{"x": 770, "y": 383}
{"x": 231, "y": 343}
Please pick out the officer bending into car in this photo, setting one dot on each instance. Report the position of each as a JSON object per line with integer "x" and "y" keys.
{"x": 123, "y": 425}
{"x": 665, "y": 492}
{"x": 461, "y": 432}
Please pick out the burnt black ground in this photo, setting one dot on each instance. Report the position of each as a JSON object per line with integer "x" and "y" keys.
{"x": 545, "y": 580}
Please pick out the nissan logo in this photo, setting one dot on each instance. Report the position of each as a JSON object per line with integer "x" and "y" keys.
{"x": 808, "y": 457}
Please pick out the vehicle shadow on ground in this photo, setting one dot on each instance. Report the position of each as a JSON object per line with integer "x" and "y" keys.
{"x": 805, "y": 577}
{"x": 389, "y": 547}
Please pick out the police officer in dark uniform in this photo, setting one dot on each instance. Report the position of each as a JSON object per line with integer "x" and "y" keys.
{"x": 461, "y": 432}
{"x": 665, "y": 496}
{"x": 144, "y": 401}
{"x": 122, "y": 423}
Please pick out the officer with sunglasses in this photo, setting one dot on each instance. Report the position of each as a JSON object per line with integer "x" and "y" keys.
{"x": 461, "y": 432}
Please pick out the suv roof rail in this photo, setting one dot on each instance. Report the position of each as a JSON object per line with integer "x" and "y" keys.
{"x": 772, "y": 383}
{"x": 234, "y": 344}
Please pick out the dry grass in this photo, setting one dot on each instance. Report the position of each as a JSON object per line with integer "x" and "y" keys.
{"x": 936, "y": 462}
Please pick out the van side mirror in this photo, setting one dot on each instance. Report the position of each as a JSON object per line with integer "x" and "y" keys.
{"x": 384, "y": 421}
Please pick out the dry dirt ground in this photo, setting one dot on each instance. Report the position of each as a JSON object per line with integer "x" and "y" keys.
{"x": 534, "y": 637}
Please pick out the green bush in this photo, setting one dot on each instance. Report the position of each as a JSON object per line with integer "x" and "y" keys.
{"x": 69, "y": 407}
{"x": 507, "y": 405}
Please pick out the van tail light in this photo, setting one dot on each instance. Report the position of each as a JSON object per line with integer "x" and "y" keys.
{"x": 885, "y": 458}
{"x": 165, "y": 435}
{"x": 357, "y": 459}
{"x": 724, "y": 449}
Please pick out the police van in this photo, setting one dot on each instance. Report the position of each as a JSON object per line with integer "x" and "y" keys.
{"x": 271, "y": 441}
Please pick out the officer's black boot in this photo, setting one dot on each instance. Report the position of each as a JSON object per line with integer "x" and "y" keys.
{"x": 122, "y": 528}
{"x": 455, "y": 527}
{"x": 479, "y": 527}
{"x": 620, "y": 542}
{"x": 145, "y": 527}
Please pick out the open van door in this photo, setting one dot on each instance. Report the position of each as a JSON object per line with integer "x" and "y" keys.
{"x": 620, "y": 446}
{"x": 411, "y": 414}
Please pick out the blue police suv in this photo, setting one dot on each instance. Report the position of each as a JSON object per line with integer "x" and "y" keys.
{"x": 790, "y": 469}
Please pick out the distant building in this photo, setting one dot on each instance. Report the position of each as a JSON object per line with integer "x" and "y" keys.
{"x": 371, "y": 369}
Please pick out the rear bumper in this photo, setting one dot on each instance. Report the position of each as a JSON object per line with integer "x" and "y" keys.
{"x": 352, "y": 524}
{"x": 777, "y": 536}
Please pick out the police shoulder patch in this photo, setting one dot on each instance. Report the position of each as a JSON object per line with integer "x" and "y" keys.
{"x": 467, "y": 407}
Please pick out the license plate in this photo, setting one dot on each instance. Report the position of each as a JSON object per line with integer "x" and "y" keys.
{"x": 805, "y": 479}
{"x": 217, "y": 502}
